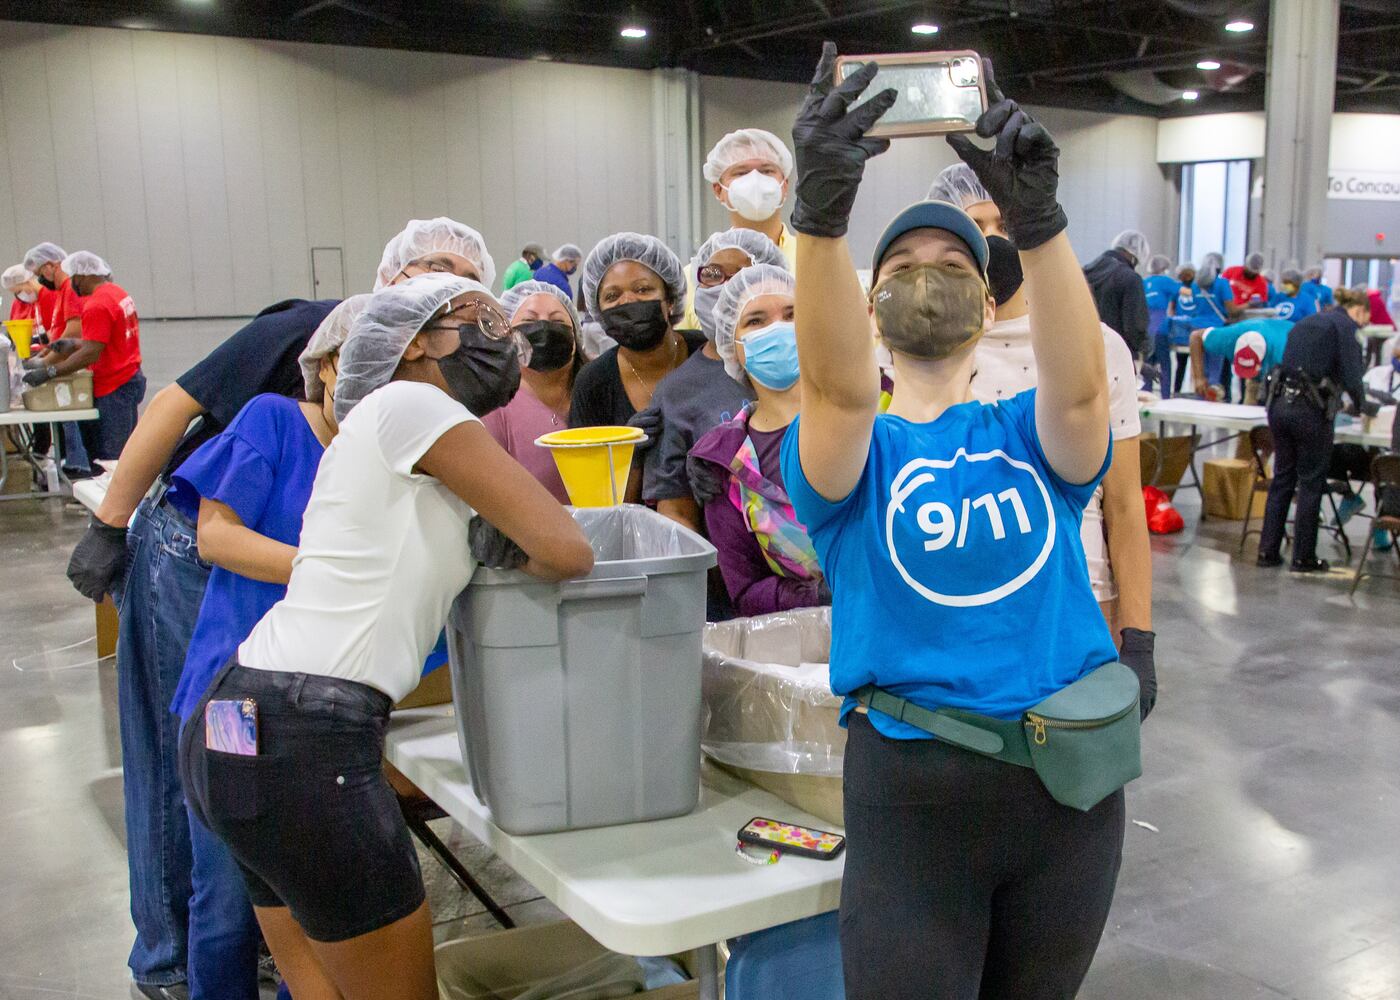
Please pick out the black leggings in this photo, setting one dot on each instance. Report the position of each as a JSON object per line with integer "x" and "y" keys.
{"x": 964, "y": 879}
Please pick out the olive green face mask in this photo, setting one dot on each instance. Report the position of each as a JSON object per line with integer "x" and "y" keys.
{"x": 930, "y": 311}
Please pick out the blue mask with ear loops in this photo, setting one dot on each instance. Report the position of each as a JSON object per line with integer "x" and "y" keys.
{"x": 770, "y": 355}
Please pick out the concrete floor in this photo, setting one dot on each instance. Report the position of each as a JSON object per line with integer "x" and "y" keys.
{"x": 1270, "y": 773}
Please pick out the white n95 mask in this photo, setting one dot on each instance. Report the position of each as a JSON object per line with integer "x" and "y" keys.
{"x": 755, "y": 195}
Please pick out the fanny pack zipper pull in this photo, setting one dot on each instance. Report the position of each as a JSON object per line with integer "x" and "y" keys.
{"x": 1039, "y": 724}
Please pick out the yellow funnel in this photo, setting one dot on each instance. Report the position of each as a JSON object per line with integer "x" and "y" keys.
{"x": 594, "y": 462}
{"x": 21, "y": 331}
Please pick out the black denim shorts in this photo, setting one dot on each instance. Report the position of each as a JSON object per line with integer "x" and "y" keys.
{"x": 311, "y": 819}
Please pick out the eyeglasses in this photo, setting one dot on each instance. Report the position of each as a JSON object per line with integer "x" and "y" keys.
{"x": 714, "y": 274}
{"x": 492, "y": 321}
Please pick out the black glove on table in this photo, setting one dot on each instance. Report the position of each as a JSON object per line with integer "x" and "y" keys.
{"x": 39, "y": 376}
{"x": 831, "y": 148}
{"x": 491, "y": 548}
{"x": 651, "y": 424}
{"x": 1021, "y": 173}
{"x": 98, "y": 560}
{"x": 1138, "y": 653}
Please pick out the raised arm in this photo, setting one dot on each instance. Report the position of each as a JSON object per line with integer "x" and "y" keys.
{"x": 840, "y": 379}
{"x": 1021, "y": 172}
{"x": 226, "y": 541}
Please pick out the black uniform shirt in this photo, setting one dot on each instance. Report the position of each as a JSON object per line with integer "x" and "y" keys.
{"x": 1324, "y": 345}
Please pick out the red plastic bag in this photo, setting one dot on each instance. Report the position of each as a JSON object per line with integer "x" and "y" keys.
{"x": 1162, "y": 517}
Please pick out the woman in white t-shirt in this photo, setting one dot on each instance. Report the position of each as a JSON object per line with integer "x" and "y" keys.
{"x": 281, "y": 759}
{"x": 1117, "y": 548}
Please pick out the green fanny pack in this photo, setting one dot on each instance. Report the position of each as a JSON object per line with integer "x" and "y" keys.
{"x": 1083, "y": 741}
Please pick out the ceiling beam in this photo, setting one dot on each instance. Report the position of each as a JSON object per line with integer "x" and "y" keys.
{"x": 788, "y": 26}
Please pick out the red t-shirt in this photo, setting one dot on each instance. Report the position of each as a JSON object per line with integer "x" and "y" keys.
{"x": 109, "y": 318}
{"x": 46, "y": 303}
{"x": 66, "y": 305}
{"x": 24, "y": 310}
{"x": 1244, "y": 288}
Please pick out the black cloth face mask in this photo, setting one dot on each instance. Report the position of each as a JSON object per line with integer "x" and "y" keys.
{"x": 551, "y": 344}
{"x": 47, "y": 283}
{"x": 482, "y": 374}
{"x": 637, "y": 326}
{"x": 1004, "y": 274}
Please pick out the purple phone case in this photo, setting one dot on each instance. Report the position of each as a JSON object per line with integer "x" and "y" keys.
{"x": 232, "y": 727}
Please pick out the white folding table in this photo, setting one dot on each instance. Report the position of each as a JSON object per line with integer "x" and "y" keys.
{"x": 645, "y": 888}
{"x": 19, "y": 418}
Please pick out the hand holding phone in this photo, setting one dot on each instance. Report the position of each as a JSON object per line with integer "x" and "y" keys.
{"x": 937, "y": 92}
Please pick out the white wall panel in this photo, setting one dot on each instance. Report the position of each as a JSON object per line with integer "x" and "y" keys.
{"x": 286, "y": 257}
{"x": 29, "y": 146}
{"x": 206, "y": 174}
{"x": 244, "y": 178}
{"x": 69, "y": 95}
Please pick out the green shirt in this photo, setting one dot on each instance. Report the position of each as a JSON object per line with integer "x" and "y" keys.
{"x": 517, "y": 272}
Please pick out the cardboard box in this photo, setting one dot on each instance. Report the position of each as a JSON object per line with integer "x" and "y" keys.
{"x": 106, "y": 627}
{"x": 503, "y": 965}
{"x": 434, "y": 689}
{"x": 19, "y": 478}
{"x": 71, "y": 392}
{"x": 1227, "y": 489}
{"x": 1176, "y": 456}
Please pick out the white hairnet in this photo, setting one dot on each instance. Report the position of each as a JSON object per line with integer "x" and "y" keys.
{"x": 747, "y": 144}
{"x": 85, "y": 262}
{"x": 44, "y": 253}
{"x": 648, "y": 251}
{"x": 1291, "y": 276}
{"x": 326, "y": 341}
{"x": 441, "y": 235}
{"x": 1159, "y": 264}
{"x": 513, "y": 298}
{"x": 739, "y": 291}
{"x": 14, "y": 276}
{"x": 959, "y": 185}
{"x": 1135, "y": 243}
{"x": 1254, "y": 262}
{"x": 378, "y": 336}
{"x": 759, "y": 248}
{"x": 1215, "y": 261}
{"x": 1314, "y": 273}
{"x": 569, "y": 251}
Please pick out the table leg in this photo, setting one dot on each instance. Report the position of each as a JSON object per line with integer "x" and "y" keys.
{"x": 707, "y": 971}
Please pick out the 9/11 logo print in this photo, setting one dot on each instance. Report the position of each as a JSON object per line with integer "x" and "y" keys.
{"x": 970, "y": 530}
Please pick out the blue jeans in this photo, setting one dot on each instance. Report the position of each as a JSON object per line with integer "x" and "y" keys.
{"x": 1162, "y": 358}
{"x": 75, "y": 456}
{"x": 159, "y": 603}
{"x": 106, "y": 436}
{"x": 224, "y": 935}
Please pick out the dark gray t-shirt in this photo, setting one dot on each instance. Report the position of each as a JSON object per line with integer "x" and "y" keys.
{"x": 695, "y": 398}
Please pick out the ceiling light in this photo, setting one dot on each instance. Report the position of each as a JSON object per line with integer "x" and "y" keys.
{"x": 632, "y": 31}
{"x": 924, "y": 28}
{"x": 1207, "y": 64}
{"x": 1189, "y": 95}
{"x": 1240, "y": 27}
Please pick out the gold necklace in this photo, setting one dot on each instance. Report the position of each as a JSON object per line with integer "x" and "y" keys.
{"x": 651, "y": 390}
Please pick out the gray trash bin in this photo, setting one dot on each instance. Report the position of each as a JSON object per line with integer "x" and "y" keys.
{"x": 578, "y": 703}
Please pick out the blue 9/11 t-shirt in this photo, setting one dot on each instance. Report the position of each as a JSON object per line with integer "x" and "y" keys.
{"x": 957, "y": 573}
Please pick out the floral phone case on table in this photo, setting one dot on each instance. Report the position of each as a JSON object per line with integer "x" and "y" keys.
{"x": 792, "y": 839}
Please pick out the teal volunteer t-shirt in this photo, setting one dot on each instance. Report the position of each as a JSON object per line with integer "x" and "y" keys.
{"x": 956, "y": 567}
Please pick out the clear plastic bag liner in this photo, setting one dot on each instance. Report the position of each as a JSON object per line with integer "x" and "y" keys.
{"x": 767, "y": 690}
{"x": 631, "y": 532}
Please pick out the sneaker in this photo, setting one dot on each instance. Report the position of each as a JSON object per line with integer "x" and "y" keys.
{"x": 1268, "y": 562}
{"x": 1381, "y": 541}
{"x": 1312, "y": 566}
{"x": 175, "y": 991}
{"x": 1349, "y": 507}
{"x": 74, "y": 474}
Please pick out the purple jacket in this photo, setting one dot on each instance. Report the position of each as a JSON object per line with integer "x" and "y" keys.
{"x": 753, "y": 586}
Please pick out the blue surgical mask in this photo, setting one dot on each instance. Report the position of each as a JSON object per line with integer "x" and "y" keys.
{"x": 770, "y": 356}
{"x": 1395, "y": 364}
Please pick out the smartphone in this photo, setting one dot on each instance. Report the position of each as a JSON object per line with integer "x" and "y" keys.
{"x": 799, "y": 840}
{"x": 939, "y": 92}
{"x": 232, "y": 727}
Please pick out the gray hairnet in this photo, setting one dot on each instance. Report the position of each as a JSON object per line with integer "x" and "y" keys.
{"x": 1254, "y": 262}
{"x": 1159, "y": 264}
{"x": 389, "y": 321}
{"x": 747, "y": 144}
{"x": 648, "y": 251}
{"x": 1291, "y": 276}
{"x": 1215, "y": 261}
{"x": 14, "y": 276}
{"x": 959, "y": 185}
{"x": 759, "y": 248}
{"x": 44, "y": 253}
{"x": 85, "y": 262}
{"x": 739, "y": 291}
{"x": 1135, "y": 243}
{"x": 569, "y": 251}
{"x": 532, "y": 248}
{"x": 326, "y": 341}
{"x": 513, "y": 298}
{"x": 441, "y": 235}
{"x": 1314, "y": 273}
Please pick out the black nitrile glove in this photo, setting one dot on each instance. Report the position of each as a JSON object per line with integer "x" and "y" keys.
{"x": 32, "y": 364}
{"x": 1138, "y": 653}
{"x": 650, "y": 422}
{"x": 1021, "y": 172}
{"x": 823, "y": 591}
{"x": 98, "y": 560}
{"x": 64, "y": 345}
{"x": 491, "y": 548}
{"x": 707, "y": 480}
{"x": 1369, "y": 407}
{"x": 39, "y": 376}
{"x": 831, "y": 148}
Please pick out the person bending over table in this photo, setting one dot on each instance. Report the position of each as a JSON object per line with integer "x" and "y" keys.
{"x": 1250, "y": 349}
{"x": 949, "y": 532}
{"x": 400, "y": 515}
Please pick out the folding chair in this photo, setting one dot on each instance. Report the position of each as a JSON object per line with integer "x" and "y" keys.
{"x": 1261, "y": 446}
{"x": 1385, "y": 472}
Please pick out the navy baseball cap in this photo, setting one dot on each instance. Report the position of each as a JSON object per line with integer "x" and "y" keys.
{"x": 934, "y": 215}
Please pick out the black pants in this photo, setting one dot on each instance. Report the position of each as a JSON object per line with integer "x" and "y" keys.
{"x": 1351, "y": 462}
{"x": 964, "y": 879}
{"x": 1302, "y": 455}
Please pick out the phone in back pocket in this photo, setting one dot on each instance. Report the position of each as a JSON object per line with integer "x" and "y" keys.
{"x": 232, "y": 727}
